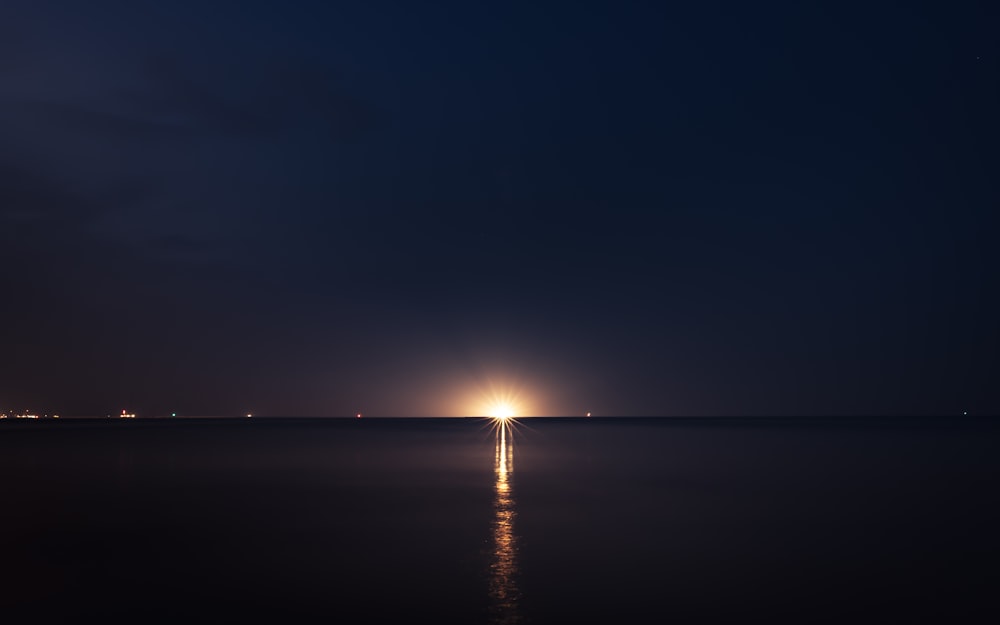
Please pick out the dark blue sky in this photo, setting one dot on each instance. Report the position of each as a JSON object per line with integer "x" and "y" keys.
{"x": 316, "y": 208}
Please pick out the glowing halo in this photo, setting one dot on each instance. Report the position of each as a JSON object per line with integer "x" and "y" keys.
{"x": 501, "y": 411}
{"x": 502, "y": 418}
{"x": 500, "y": 402}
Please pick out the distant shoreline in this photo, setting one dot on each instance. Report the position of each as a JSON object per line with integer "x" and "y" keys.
{"x": 676, "y": 418}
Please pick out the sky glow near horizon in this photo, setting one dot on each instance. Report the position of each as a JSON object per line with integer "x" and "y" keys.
{"x": 643, "y": 209}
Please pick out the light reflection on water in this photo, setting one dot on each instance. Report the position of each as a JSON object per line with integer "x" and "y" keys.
{"x": 504, "y": 593}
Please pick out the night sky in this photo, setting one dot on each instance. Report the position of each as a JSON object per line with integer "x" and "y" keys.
{"x": 320, "y": 208}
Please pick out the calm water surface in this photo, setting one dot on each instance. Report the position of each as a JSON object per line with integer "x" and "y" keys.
{"x": 448, "y": 520}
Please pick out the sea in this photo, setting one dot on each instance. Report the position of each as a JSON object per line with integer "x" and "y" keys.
{"x": 457, "y": 520}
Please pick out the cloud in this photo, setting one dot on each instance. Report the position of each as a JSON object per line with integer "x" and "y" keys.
{"x": 166, "y": 155}
{"x": 37, "y": 196}
{"x": 250, "y": 99}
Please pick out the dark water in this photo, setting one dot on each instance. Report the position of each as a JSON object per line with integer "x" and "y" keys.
{"x": 439, "y": 520}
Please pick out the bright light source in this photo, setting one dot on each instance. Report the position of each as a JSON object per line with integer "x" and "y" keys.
{"x": 501, "y": 411}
